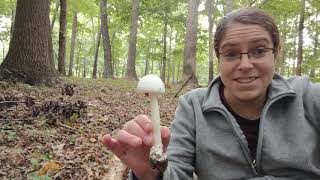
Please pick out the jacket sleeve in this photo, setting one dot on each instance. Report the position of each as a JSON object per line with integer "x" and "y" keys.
{"x": 181, "y": 149}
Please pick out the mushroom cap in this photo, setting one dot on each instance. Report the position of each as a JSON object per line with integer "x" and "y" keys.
{"x": 150, "y": 84}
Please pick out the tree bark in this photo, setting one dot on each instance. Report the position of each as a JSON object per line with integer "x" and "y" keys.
{"x": 131, "y": 62}
{"x": 209, "y": 4}
{"x": 169, "y": 60}
{"x": 108, "y": 68}
{"x": 189, "y": 63}
{"x": 147, "y": 62}
{"x": 73, "y": 41}
{"x": 62, "y": 38}
{"x": 228, "y": 6}
{"x": 315, "y": 53}
{"x": 29, "y": 58}
{"x": 300, "y": 42}
{"x": 95, "y": 64}
{"x": 164, "y": 55}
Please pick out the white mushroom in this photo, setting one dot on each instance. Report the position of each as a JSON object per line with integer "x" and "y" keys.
{"x": 153, "y": 86}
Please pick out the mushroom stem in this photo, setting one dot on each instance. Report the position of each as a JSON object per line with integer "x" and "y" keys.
{"x": 155, "y": 116}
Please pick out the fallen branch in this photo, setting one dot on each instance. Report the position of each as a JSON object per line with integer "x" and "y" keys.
{"x": 183, "y": 85}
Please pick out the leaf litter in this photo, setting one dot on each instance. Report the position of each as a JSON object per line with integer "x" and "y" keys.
{"x": 53, "y": 132}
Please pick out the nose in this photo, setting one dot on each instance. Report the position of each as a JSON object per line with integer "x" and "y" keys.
{"x": 245, "y": 63}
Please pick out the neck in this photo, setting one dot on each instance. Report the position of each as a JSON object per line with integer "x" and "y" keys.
{"x": 250, "y": 109}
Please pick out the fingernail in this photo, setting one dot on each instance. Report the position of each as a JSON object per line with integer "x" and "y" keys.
{"x": 148, "y": 127}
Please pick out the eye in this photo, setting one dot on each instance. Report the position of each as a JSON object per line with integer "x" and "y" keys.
{"x": 258, "y": 51}
{"x": 230, "y": 54}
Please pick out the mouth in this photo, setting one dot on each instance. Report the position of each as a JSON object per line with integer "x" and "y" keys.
{"x": 245, "y": 80}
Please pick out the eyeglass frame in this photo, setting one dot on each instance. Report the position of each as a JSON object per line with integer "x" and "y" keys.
{"x": 248, "y": 53}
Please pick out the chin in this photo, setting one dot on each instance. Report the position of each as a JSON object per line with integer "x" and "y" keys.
{"x": 248, "y": 96}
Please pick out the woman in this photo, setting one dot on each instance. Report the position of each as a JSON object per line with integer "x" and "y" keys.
{"x": 250, "y": 123}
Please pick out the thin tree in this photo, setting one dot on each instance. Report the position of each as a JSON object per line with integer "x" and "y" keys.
{"x": 95, "y": 64}
{"x": 315, "y": 53}
{"x": 190, "y": 41}
{"x": 131, "y": 62}
{"x": 73, "y": 41}
{"x": 300, "y": 42}
{"x": 228, "y": 6}
{"x": 209, "y": 5}
{"x": 54, "y": 14}
{"x": 164, "y": 55}
{"x": 62, "y": 37}
{"x": 29, "y": 58}
{"x": 108, "y": 67}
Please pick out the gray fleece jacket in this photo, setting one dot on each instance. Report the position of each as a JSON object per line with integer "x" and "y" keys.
{"x": 206, "y": 138}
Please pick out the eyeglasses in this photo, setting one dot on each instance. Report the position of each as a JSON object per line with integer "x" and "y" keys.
{"x": 256, "y": 54}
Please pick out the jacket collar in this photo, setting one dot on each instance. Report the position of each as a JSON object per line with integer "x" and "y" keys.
{"x": 278, "y": 87}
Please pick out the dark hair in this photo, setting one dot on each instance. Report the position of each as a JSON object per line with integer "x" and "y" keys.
{"x": 247, "y": 16}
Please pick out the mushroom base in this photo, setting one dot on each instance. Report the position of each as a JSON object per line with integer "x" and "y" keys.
{"x": 158, "y": 158}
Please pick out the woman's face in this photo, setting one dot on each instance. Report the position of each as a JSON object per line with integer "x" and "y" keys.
{"x": 246, "y": 77}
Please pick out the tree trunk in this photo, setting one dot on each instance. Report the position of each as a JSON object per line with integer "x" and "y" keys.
{"x": 54, "y": 14}
{"x": 280, "y": 63}
{"x": 13, "y": 15}
{"x": 73, "y": 41}
{"x": 62, "y": 38}
{"x": 108, "y": 69}
{"x": 146, "y": 70}
{"x": 29, "y": 58}
{"x": 95, "y": 64}
{"x": 169, "y": 60}
{"x": 315, "y": 53}
{"x": 131, "y": 62}
{"x": 228, "y": 6}
{"x": 84, "y": 75}
{"x": 209, "y": 4}
{"x": 300, "y": 42}
{"x": 189, "y": 63}
{"x": 164, "y": 56}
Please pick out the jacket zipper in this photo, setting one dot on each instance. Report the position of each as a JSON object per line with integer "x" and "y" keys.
{"x": 260, "y": 137}
{"x": 250, "y": 160}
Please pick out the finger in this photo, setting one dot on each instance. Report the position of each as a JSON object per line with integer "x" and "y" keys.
{"x": 165, "y": 136}
{"x": 144, "y": 122}
{"x": 126, "y": 138}
{"x": 133, "y": 128}
{"x": 112, "y": 144}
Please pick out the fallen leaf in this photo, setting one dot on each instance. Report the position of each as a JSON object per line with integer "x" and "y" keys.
{"x": 47, "y": 167}
{"x": 93, "y": 140}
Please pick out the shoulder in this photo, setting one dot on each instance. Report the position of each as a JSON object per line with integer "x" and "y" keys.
{"x": 197, "y": 94}
{"x": 302, "y": 84}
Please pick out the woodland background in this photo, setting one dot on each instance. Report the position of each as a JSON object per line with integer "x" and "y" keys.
{"x": 128, "y": 39}
{"x": 90, "y": 54}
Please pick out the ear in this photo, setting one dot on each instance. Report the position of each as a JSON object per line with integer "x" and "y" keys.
{"x": 278, "y": 51}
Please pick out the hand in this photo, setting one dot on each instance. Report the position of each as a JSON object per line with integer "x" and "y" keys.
{"x": 132, "y": 145}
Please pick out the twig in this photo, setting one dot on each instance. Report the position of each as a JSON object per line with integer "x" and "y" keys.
{"x": 5, "y": 102}
{"x": 183, "y": 85}
{"x": 68, "y": 127}
{"x": 106, "y": 103}
{"x": 27, "y": 119}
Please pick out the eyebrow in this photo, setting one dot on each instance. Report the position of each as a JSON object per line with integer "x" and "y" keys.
{"x": 257, "y": 40}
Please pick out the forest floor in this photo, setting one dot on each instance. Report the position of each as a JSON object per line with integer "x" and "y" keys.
{"x": 44, "y": 132}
